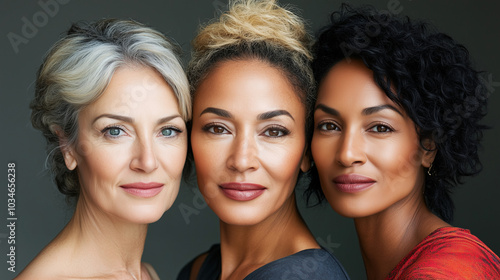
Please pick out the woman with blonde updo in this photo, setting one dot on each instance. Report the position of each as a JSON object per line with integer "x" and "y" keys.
{"x": 251, "y": 84}
{"x": 112, "y": 101}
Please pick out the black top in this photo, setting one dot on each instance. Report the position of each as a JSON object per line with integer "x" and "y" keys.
{"x": 310, "y": 264}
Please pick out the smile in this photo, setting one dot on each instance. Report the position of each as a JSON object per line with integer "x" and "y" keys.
{"x": 145, "y": 190}
{"x": 353, "y": 183}
{"x": 242, "y": 191}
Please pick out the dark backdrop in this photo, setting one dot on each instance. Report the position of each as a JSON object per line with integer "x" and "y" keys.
{"x": 176, "y": 238}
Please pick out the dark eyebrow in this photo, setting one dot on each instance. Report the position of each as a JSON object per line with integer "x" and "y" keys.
{"x": 272, "y": 114}
{"x": 375, "y": 109}
{"x": 366, "y": 111}
{"x": 263, "y": 116}
{"x": 116, "y": 117}
{"x": 217, "y": 111}
{"x": 327, "y": 110}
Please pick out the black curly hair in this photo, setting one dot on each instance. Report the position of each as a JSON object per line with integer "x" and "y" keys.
{"x": 425, "y": 72}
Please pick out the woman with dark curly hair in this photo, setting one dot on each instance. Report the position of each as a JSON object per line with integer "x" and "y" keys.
{"x": 396, "y": 128}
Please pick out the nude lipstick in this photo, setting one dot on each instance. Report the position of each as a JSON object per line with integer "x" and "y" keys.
{"x": 242, "y": 191}
{"x": 353, "y": 183}
{"x": 144, "y": 190}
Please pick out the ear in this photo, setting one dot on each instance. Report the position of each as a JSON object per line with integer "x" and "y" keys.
{"x": 67, "y": 150}
{"x": 305, "y": 164}
{"x": 429, "y": 152}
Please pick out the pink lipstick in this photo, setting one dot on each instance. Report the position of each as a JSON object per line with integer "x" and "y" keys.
{"x": 144, "y": 190}
{"x": 242, "y": 191}
{"x": 353, "y": 183}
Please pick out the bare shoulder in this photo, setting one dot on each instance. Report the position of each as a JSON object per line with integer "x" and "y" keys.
{"x": 37, "y": 271}
{"x": 50, "y": 263}
{"x": 39, "y": 268}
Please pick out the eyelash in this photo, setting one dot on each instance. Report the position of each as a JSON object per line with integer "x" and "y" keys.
{"x": 173, "y": 128}
{"x": 388, "y": 127}
{"x": 210, "y": 128}
{"x": 106, "y": 130}
{"x": 337, "y": 128}
{"x": 280, "y": 129}
{"x": 321, "y": 124}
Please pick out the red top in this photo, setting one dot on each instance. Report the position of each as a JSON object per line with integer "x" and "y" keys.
{"x": 449, "y": 253}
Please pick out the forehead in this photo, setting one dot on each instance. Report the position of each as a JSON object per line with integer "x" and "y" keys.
{"x": 243, "y": 85}
{"x": 133, "y": 88}
{"x": 351, "y": 83}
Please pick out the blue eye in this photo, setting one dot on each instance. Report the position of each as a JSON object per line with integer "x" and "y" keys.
{"x": 113, "y": 131}
{"x": 170, "y": 131}
{"x": 167, "y": 132}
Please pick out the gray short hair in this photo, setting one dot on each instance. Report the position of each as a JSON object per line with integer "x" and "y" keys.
{"x": 77, "y": 70}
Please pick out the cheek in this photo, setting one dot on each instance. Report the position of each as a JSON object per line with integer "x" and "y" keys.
{"x": 282, "y": 163}
{"x": 320, "y": 150}
{"x": 173, "y": 159}
{"x": 203, "y": 154}
{"x": 400, "y": 161}
{"x": 209, "y": 162}
{"x": 102, "y": 163}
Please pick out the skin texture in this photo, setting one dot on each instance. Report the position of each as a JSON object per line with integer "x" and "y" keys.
{"x": 359, "y": 130}
{"x": 234, "y": 141}
{"x": 132, "y": 133}
{"x": 139, "y": 153}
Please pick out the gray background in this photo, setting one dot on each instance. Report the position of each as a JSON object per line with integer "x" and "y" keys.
{"x": 176, "y": 238}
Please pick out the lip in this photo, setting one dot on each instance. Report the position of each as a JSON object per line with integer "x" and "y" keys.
{"x": 242, "y": 191}
{"x": 353, "y": 183}
{"x": 145, "y": 190}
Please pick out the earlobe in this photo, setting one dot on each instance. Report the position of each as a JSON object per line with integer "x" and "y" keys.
{"x": 69, "y": 158}
{"x": 429, "y": 153}
{"x": 66, "y": 150}
{"x": 305, "y": 165}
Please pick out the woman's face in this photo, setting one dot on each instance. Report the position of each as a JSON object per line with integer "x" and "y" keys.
{"x": 365, "y": 147}
{"x": 248, "y": 140}
{"x": 131, "y": 147}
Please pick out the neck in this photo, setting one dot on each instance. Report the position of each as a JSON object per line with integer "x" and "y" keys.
{"x": 97, "y": 240}
{"x": 387, "y": 237}
{"x": 249, "y": 247}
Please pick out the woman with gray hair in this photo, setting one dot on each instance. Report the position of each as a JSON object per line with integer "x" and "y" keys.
{"x": 112, "y": 101}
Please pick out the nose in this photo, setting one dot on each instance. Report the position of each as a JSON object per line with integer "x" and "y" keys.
{"x": 244, "y": 154}
{"x": 351, "y": 149}
{"x": 144, "y": 157}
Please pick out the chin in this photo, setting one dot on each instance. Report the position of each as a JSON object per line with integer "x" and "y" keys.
{"x": 145, "y": 215}
{"x": 240, "y": 217}
{"x": 351, "y": 209}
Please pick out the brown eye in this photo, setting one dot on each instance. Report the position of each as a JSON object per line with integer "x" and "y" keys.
{"x": 277, "y": 131}
{"x": 380, "y": 128}
{"x": 274, "y": 133}
{"x": 217, "y": 129}
{"x": 328, "y": 126}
